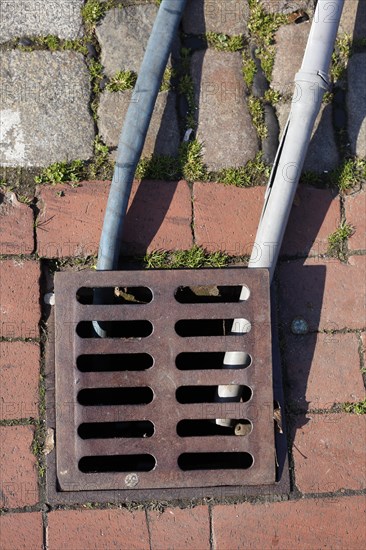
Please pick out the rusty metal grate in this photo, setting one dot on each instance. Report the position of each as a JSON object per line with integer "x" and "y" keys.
{"x": 136, "y": 410}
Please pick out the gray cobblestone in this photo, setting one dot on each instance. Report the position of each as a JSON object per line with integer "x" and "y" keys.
{"x": 163, "y": 135}
{"x": 40, "y": 17}
{"x": 224, "y": 124}
{"x": 221, "y": 16}
{"x": 44, "y": 108}
{"x": 322, "y": 155}
{"x": 123, "y": 35}
{"x": 356, "y": 103}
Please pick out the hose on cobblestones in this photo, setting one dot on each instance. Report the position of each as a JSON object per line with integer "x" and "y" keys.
{"x": 311, "y": 82}
{"x": 133, "y": 136}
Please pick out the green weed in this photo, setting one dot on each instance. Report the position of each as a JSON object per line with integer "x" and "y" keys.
{"x": 256, "y": 110}
{"x": 355, "y": 408}
{"x": 337, "y": 241}
{"x": 121, "y": 81}
{"x": 224, "y": 42}
{"x": 340, "y": 56}
{"x": 61, "y": 172}
{"x": 194, "y": 258}
{"x": 255, "y": 172}
{"x": 351, "y": 173}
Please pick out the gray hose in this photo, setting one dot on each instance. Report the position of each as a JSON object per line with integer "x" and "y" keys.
{"x": 132, "y": 140}
{"x": 135, "y": 128}
{"x": 311, "y": 83}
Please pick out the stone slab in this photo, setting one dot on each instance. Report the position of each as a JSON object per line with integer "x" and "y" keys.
{"x": 329, "y": 452}
{"x": 183, "y": 529}
{"x": 19, "y": 298}
{"x": 19, "y": 380}
{"x": 40, "y": 18}
{"x": 353, "y": 20}
{"x": 163, "y": 137}
{"x": 16, "y": 226}
{"x": 304, "y": 524}
{"x": 355, "y": 210}
{"x": 284, "y": 6}
{"x": 315, "y": 214}
{"x": 123, "y": 36}
{"x": 21, "y": 531}
{"x": 323, "y": 369}
{"x": 94, "y": 529}
{"x": 44, "y": 112}
{"x": 356, "y": 103}
{"x": 290, "y": 42}
{"x": 221, "y": 16}
{"x": 322, "y": 154}
{"x": 158, "y": 217}
{"x": 326, "y": 293}
{"x": 18, "y": 473}
{"x": 225, "y": 126}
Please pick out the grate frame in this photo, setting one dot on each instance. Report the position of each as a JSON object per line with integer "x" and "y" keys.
{"x": 167, "y": 477}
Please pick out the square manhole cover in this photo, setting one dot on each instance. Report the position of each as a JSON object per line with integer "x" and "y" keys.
{"x": 136, "y": 411}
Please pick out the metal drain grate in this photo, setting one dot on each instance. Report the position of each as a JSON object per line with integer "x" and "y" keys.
{"x": 137, "y": 410}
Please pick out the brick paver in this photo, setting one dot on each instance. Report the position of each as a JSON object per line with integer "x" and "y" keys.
{"x": 16, "y": 226}
{"x": 95, "y": 529}
{"x": 355, "y": 209}
{"x": 180, "y": 529}
{"x": 323, "y": 369}
{"x": 323, "y": 292}
{"x": 329, "y": 452}
{"x": 18, "y": 474}
{"x": 19, "y": 380}
{"x": 21, "y": 531}
{"x": 19, "y": 298}
{"x": 226, "y": 217}
{"x": 159, "y": 216}
{"x": 295, "y": 525}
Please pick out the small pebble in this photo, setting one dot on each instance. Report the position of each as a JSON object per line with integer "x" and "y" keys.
{"x": 299, "y": 326}
{"x": 49, "y": 299}
{"x": 25, "y": 42}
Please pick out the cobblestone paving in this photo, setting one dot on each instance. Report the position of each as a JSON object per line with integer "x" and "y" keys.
{"x": 67, "y": 71}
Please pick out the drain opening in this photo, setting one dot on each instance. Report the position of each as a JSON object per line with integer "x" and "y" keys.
{"x": 211, "y": 327}
{"x": 208, "y": 294}
{"x": 133, "y": 295}
{"x": 107, "y": 430}
{"x": 210, "y": 360}
{"x": 207, "y": 394}
{"x": 116, "y": 329}
{"x": 118, "y": 362}
{"x": 202, "y": 428}
{"x": 115, "y": 396}
{"x": 117, "y": 463}
{"x": 215, "y": 461}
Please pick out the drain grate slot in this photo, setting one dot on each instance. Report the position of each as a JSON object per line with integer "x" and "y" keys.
{"x": 209, "y": 360}
{"x": 207, "y": 394}
{"x": 206, "y": 428}
{"x": 144, "y": 399}
{"x": 115, "y": 396}
{"x": 215, "y": 461}
{"x": 106, "y": 430}
{"x": 117, "y": 463}
{"x": 118, "y": 362}
{"x": 116, "y": 329}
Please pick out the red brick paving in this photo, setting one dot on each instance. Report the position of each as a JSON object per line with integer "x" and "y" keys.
{"x": 180, "y": 529}
{"x": 314, "y": 216}
{"x": 296, "y": 525}
{"x": 18, "y": 473}
{"x": 16, "y": 226}
{"x": 355, "y": 210}
{"x": 323, "y": 292}
{"x": 323, "y": 369}
{"x": 96, "y": 529}
{"x": 158, "y": 217}
{"x": 226, "y": 217}
{"x": 21, "y": 531}
{"x": 19, "y": 298}
{"x": 329, "y": 452}
{"x": 19, "y": 377}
